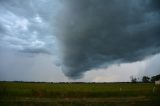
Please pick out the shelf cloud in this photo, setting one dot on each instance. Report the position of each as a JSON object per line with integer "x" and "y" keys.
{"x": 95, "y": 34}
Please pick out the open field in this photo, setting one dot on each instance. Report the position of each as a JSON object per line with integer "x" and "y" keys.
{"x": 110, "y": 94}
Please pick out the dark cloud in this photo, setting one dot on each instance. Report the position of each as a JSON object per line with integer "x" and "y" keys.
{"x": 2, "y": 29}
{"x": 35, "y": 51}
{"x": 154, "y": 4}
{"x": 94, "y": 33}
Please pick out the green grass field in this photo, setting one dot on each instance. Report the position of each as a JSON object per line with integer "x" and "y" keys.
{"x": 71, "y": 94}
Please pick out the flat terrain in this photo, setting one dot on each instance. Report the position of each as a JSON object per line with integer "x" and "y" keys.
{"x": 79, "y": 94}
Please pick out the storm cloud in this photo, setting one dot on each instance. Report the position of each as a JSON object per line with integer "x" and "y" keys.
{"x": 81, "y": 35}
{"x": 95, "y": 34}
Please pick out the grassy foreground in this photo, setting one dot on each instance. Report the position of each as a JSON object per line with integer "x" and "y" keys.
{"x": 79, "y": 94}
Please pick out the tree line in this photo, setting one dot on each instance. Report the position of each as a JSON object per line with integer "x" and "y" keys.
{"x": 145, "y": 79}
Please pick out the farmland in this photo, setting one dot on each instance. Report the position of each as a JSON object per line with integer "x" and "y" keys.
{"x": 71, "y": 94}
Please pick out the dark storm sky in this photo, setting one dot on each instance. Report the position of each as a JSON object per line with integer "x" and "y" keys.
{"x": 79, "y": 35}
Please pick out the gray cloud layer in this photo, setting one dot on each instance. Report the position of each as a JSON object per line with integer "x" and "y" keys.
{"x": 25, "y": 26}
{"x": 95, "y": 33}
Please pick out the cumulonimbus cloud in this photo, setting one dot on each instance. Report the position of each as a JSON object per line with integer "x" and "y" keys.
{"x": 90, "y": 33}
{"x": 94, "y": 34}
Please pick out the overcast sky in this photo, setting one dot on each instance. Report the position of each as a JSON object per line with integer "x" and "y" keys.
{"x": 79, "y": 40}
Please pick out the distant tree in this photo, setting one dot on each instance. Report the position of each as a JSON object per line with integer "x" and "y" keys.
{"x": 145, "y": 79}
{"x": 155, "y": 78}
{"x": 133, "y": 79}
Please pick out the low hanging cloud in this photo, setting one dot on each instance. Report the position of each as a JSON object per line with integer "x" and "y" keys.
{"x": 94, "y": 34}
